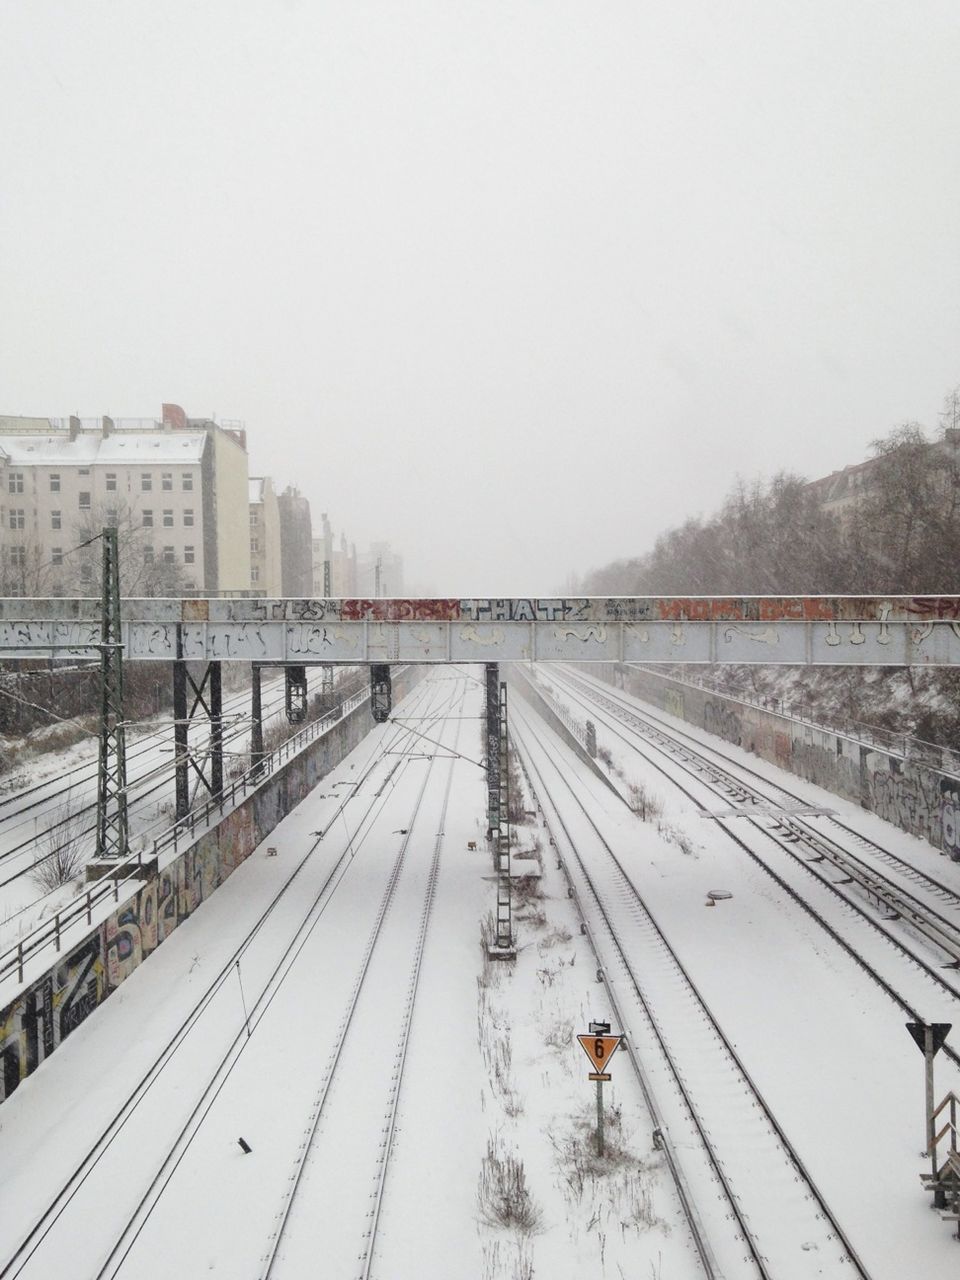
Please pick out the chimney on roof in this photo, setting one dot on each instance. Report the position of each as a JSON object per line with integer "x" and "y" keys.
{"x": 107, "y": 426}
{"x": 74, "y": 427}
{"x": 174, "y": 418}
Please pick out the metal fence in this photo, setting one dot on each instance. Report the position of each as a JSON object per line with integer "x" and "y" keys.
{"x": 916, "y": 750}
{"x": 183, "y": 831}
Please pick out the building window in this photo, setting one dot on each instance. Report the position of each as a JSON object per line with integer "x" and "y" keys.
{"x": 187, "y": 482}
{"x": 168, "y": 519}
{"x": 188, "y": 518}
{"x": 148, "y": 554}
{"x": 86, "y": 574}
{"x": 54, "y": 481}
{"x": 56, "y": 555}
{"x": 16, "y": 518}
{"x": 18, "y": 557}
{"x": 55, "y": 520}
{"x": 168, "y": 556}
{"x": 254, "y": 518}
{"x": 188, "y": 557}
{"x": 84, "y": 471}
{"x": 15, "y": 482}
{"x": 110, "y": 514}
{"x": 84, "y": 499}
{"x": 146, "y": 481}
{"x": 111, "y": 482}
{"x": 147, "y": 521}
{"x": 254, "y": 574}
{"x": 166, "y": 480}
{"x": 254, "y": 546}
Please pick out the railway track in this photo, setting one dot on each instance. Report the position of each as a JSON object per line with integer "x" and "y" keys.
{"x": 774, "y": 1218}
{"x": 747, "y": 785}
{"x": 924, "y": 976}
{"x": 314, "y": 1146}
{"x": 44, "y": 1243}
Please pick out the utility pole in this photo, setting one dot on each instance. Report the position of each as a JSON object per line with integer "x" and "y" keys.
{"x": 112, "y": 830}
{"x": 378, "y": 569}
{"x": 326, "y": 687}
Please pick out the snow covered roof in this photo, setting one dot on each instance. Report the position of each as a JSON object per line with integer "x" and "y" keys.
{"x": 120, "y": 448}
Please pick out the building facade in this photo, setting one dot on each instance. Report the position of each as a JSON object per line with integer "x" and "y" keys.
{"x": 296, "y": 544}
{"x": 265, "y": 552}
{"x": 176, "y": 488}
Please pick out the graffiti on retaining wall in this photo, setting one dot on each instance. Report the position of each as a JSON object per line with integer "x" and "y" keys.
{"x": 909, "y": 798}
{"x": 950, "y": 817}
{"x": 723, "y": 721}
{"x": 45, "y": 1014}
{"x": 822, "y": 766}
{"x": 673, "y": 702}
{"x": 41, "y": 1017}
{"x": 913, "y": 797}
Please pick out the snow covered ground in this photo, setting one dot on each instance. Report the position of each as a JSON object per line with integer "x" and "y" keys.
{"x": 49, "y": 799}
{"x": 333, "y": 1007}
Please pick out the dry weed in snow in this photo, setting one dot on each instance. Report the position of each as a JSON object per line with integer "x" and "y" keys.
{"x": 507, "y": 1260}
{"x": 613, "y": 1192}
{"x": 503, "y": 1197}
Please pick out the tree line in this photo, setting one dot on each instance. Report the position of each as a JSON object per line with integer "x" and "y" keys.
{"x": 898, "y": 534}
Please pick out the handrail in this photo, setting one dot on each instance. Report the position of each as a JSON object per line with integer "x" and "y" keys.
{"x": 15, "y": 957}
{"x": 905, "y": 745}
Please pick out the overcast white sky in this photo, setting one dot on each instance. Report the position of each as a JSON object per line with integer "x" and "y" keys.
{"x": 513, "y": 285}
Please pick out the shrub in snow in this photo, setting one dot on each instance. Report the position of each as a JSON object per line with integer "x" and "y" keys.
{"x": 503, "y": 1197}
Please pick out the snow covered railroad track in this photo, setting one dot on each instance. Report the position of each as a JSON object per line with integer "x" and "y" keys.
{"x": 31, "y": 831}
{"x": 316, "y": 1146}
{"x": 178, "y": 1092}
{"x": 831, "y": 903}
{"x": 773, "y": 1216}
{"x": 745, "y": 785}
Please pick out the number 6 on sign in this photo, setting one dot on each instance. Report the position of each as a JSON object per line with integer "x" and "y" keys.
{"x": 599, "y": 1049}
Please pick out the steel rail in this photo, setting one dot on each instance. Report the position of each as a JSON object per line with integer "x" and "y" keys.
{"x": 188, "y": 1132}
{"x": 674, "y": 1066}
{"x": 899, "y": 902}
{"x": 71, "y": 1186}
{"x": 665, "y": 1143}
{"x": 903, "y": 1004}
{"x": 50, "y": 932}
{"x": 386, "y": 1149}
{"x": 293, "y": 1184}
{"x": 604, "y": 691}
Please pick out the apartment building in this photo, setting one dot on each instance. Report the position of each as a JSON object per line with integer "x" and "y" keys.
{"x": 296, "y": 544}
{"x": 176, "y": 487}
{"x": 265, "y": 548}
{"x": 841, "y": 492}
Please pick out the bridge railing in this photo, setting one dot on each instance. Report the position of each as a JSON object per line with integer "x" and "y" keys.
{"x": 82, "y": 907}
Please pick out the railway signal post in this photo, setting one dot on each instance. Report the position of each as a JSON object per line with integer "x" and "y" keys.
{"x": 929, "y": 1038}
{"x": 599, "y": 1046}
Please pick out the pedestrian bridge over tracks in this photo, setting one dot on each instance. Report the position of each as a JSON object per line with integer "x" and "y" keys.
{"x": 844, "y": 630}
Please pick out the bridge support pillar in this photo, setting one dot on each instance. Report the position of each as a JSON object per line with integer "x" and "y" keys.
{"x": 256, "y": 715}
{"x": 189, "y": 698}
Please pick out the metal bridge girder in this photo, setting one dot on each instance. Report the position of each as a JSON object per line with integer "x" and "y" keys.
{"x": 804, "y": 630}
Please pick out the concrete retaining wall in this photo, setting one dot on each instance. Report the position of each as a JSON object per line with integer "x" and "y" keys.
{"x": 42, "y": 1016}
{"x": 526, "y": 689}
{"x": 914, "y": 797}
